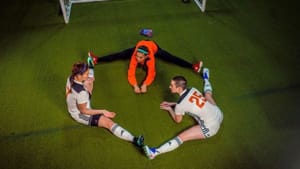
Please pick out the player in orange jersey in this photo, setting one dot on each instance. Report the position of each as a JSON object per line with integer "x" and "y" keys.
{"x": 143, "y": 55}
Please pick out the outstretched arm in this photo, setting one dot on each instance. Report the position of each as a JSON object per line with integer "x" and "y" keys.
{"x": 169, "y": 106}
{"x": 165, "y": 103}
{"x": 151, "y": 73}
{"x": 131, "y": 76}
{"x": 83, "y": 109}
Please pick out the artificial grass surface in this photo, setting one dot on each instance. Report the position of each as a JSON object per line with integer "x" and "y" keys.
{"x": 251, "y": 48}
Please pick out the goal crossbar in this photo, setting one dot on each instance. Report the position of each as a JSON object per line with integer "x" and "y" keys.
{"x": 66, "y": 6}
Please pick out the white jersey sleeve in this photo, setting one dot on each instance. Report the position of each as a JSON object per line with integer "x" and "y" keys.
{"x": 179, "y": 110}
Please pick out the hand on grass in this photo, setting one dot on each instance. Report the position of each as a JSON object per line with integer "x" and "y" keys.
{"x": 144, "y": 88}
{"x": 137, "y": 89}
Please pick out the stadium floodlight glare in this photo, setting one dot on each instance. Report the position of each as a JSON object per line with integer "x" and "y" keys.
{"x": 66, "y": 6}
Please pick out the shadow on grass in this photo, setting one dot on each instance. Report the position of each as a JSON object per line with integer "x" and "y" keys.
{"x": 48, "y": 131}
{"x": 281, "y": 105}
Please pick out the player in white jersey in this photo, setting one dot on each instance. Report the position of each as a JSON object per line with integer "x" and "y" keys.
{"x": 202, "y": 108}
{"x": 78, "y": 94}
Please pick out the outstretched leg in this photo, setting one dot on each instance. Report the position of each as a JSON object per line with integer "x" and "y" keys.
{"x": 207, "y": 86}
{"x": 105, "y": 122}
{"x": 168, "y": 57}
{"x": 125, "y": 54}
{"x": 193, "y": 133}
{"x": 119, "y": 131}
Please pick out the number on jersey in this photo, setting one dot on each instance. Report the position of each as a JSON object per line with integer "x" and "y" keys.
{"x": 198, "y": 99}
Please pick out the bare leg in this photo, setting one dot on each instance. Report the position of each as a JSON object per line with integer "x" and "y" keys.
{"x": 89, "y": 84}
{"x": 193, "y": 133}
{"x": 209, "y": 98}
{"x": 105, "y": 122}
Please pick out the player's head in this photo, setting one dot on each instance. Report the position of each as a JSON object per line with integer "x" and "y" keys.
{"x": 178, "y": 84}
{"x": 141, "y": 54}
{"x": 80, "y": 71}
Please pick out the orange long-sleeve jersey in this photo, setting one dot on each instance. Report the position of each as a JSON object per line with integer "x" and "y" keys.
{"x": 150, "y": 63}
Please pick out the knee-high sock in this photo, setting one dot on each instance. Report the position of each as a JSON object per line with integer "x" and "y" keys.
{"x": 91, "y": 72}
{"x": 170, "y": 145}
{"x": 121, "y": 133}
{"x": 207, "y": 86}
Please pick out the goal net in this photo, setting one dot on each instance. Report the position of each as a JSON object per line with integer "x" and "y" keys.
{"x": 66, "y": 6}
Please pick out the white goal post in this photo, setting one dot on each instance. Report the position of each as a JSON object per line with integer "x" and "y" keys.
{"x": 66, "y": 5}
{"x": 201, "y": 4}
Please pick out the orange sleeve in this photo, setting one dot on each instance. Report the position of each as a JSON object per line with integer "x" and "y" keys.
{"x": 150, "y": 64}
{"x": 131, "y": 72}
{"x": 151, "y": 72}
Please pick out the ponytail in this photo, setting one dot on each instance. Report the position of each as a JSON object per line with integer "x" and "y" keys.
{"x": 78, "y": 69}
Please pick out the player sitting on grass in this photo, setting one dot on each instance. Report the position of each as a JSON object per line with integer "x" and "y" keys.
{"x": 143, "y": 55}
{"x": 202, "y": 108}
{"x": 78, "y": 96}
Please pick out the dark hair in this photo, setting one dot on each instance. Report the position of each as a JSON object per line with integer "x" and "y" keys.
{"x": 78, "y": 69}
{"x": 180, "y": 81}
{"x": 143, "y": 49}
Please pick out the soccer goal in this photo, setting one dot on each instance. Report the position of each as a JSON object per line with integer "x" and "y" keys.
{"x": 201, "y": 4}
{"x": 66, "y": 6}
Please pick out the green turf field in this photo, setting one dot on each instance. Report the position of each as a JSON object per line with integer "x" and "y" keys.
{"x": 251, "y": 48}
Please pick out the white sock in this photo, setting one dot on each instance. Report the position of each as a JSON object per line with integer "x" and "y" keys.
{"x": 170, "y": 145}
{"x": 121, "y": 133}
{"x": 91, "y": 72}
{"x": 207, "y": 86}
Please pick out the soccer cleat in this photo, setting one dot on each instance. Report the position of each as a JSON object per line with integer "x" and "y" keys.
{"x": 90, "y": 62}
{"x": 138, "y": 141}
{"x": 146, "y": 32}
{"x": 93, "y": 57}
{"x": 151, "y": 153}
{"x": 205, "y": 74}
{"x": 197, "y": 66}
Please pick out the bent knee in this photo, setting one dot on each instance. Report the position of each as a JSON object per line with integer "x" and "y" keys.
{"x": 105, "y": 122}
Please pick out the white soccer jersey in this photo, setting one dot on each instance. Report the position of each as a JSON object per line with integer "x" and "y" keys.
{"x": 78, "y": 95}
{"x": 208, "y": 116}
